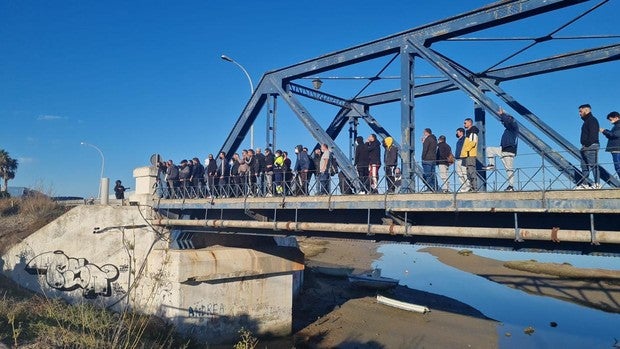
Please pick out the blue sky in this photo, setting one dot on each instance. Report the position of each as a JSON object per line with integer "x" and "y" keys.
{"x": 137, "y": 78}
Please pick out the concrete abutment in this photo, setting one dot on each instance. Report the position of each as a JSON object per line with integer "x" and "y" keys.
{"x": 111, "y": 256}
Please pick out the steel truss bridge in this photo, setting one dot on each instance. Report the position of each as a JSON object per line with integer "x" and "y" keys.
{"x": 552, "y": 219}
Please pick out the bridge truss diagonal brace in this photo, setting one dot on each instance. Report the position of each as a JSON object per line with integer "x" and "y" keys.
{"x": 245, "y": 120}
{"x": 476, "y": 93}
{"x": 317, "y": 132}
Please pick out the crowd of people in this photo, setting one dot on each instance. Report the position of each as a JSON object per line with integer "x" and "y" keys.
{"x": 254, "y": 173}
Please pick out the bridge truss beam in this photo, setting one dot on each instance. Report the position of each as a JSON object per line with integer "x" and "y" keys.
{"x": 410, "y": 45}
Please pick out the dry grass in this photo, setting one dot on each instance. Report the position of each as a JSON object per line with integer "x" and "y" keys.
{"x": 20, "y": 217}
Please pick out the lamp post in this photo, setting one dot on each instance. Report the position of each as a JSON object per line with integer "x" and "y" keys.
{"x": 102, "y": 165}
{"x": 228, "y": 59}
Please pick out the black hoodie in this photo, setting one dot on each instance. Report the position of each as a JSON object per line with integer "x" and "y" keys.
{"x": 361, "y": 153}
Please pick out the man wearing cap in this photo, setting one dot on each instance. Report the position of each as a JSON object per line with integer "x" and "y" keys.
{"x": 589, "y": 148}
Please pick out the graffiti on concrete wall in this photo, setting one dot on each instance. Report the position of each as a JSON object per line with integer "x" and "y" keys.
{"x": 68, "y": 274}
{"x": 209, "y": 311}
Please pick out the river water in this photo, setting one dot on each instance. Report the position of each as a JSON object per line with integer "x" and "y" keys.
{"x": 577, "y": 326}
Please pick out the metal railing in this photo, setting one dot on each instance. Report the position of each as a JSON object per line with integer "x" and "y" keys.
{"x": 531, "y": 173}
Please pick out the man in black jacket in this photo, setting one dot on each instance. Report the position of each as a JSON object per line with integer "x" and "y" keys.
{"x": 374, "y": 159}
{"x": 589, "y": 148}
{"x": 429, "y": 159}
{"x": 361, "y": 163}
{"x": 391, "y": 161}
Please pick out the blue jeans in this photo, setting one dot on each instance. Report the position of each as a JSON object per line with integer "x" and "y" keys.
{"x": 430, "y": 179}
{"x": 324, "y": 179}
{"x": 589, "y": 162}
{"x": 616, "y": 159}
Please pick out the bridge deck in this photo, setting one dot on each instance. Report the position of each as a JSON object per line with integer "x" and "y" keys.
{"x": 568, "y": 201}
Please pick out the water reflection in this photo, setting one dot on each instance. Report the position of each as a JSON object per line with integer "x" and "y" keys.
{"x": 577, "y": 326}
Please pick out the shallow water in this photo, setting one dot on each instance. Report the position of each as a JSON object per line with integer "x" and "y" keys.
{"x": 577, "y": 326}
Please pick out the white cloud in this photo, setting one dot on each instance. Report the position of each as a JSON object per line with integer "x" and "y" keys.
{"x": 50, "y": 117}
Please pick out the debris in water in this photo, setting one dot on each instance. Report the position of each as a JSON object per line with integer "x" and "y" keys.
{"x": 528, "y": 330}
{"x": 553, "y": 324}
{"x": 465, "y": 252}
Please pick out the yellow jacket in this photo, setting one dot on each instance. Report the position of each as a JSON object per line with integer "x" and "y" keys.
{"x": 470, "y": 145}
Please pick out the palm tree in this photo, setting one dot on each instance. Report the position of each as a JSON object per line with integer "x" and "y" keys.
{"x": 8, "y": 167}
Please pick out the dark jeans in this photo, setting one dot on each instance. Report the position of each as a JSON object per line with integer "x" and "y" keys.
{"x": 616, "y": 159}
{"x": 324, "y": 179}
{"x": 589, "y": 162}
{"x": 389, "y": 176}
{"x": 430, "y": 179}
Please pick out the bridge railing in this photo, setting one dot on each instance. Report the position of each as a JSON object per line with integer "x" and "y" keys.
{"x": 531, "y": 173}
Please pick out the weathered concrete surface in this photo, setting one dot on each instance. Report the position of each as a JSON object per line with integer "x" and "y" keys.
{"x": 110, "y": 256}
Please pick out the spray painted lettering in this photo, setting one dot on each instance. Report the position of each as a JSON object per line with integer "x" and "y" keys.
{"x": 68, "y": 274}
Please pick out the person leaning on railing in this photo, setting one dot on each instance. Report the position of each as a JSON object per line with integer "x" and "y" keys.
{"x": 613, "y": 139}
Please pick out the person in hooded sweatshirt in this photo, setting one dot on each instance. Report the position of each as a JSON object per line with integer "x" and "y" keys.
{"x": 362, "y": 162}
{"x": 390, "y": 158}
{"x": 302, "y": 165}
{"x": 374, "y": 158}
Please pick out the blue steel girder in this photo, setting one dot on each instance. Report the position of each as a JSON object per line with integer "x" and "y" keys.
{"x": 474, "y": 91}
{"x": 317, "y": 131}
{"x": 407, "y": 115}
{"x": 245, "y": 121}
{"x": 317, "y": 95}
{"x": 547, "y": 65}
{"x": 495, "y": 14}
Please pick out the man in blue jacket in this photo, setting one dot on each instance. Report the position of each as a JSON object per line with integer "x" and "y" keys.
{"x": 613, "y": 139}
{"x": 507, "y": 149}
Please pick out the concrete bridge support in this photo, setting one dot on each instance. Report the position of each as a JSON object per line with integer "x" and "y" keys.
{"x": 111, "y": 256}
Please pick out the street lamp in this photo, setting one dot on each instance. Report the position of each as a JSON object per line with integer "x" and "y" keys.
{"x": 228, "y": 59}
{"x": 102, "y": 165}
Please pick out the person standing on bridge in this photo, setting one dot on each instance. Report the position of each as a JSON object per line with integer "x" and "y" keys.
{"x": 324, "y": 177}
{"x": 362, "y": 162}
{"x": 198, "y": 172}
{"x": 508, "y": 147}
{"x": 172, "y": 178}
{"x": 459, "y": 162}
{"x": 469, "y": 152}
{"x": 269, "y": 160}
{"x": 391, "y": 161}
{"x": 443, "y": 163}
{"x": 223, "y": 174}
{"x": 210, "y": 174}
{"x": 613, "y": 139}
{"x": 374, "y": 160}
{"x": 429, "y": 159}
{"x": 302, "y": 165}
{"x": 589, "y": 148}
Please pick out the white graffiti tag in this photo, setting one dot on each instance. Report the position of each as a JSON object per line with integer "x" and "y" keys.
{"x": 68, "y": 274}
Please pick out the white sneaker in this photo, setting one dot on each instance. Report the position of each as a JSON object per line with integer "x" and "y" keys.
{"x": 596, "y": 186}
{"x": 582, "y": 187}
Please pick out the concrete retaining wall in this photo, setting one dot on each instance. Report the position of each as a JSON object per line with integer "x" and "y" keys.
{"x": 109, "y": 256}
